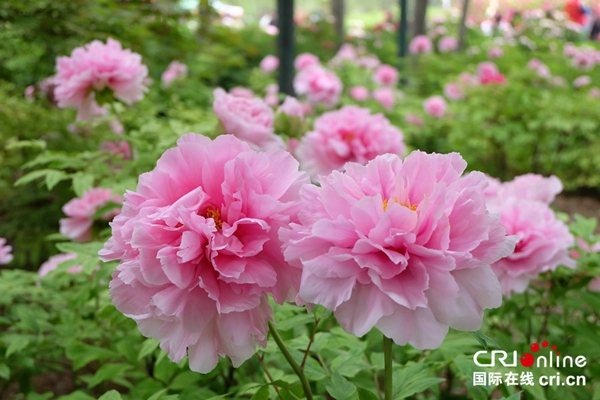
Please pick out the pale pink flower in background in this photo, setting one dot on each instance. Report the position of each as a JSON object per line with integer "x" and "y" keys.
{"x": 495, "y": 52}
{"x": 534, "y": 64}
{"x": 347, "y": 52}
{"x": 5, "y": 252}
{"x": 369, "y": 61}
{"x": 307, "y": 108}
{"x": 405, "y": 247}
{"x": 53, "y": 262}
{"x": 594, "y": 285}
{"x": 386, "y": 75}
{"x": 487, "y": 68}
{"x": 80, "y": 213}
{"x": 570, "y": 50}
{"x": 584, "y": 59}
{"x": 47, "y": 87}
{"x": 272, "y": 88}
{"x": 359, "y": 93}
{"x": 174, "y": 71}
{"x": 435, "y": 106}
{"x": 319, "y": 85}
{"x": 29, "y": 92}
{"x": 438, "y": 31}
{"x": 447, "y": 44}
{"x": 116, "y": 126}
{"x": 272, "y": 99}
{"x": 414, "y": 119}
{"x": 97, "y": 66}
{"x": 239, "y": 91}
{"x": 247, "y": 119}
{"x": 582, "y": 81}
{"x": 305, "y": 60}
{"x": 348, "y": 134}
{"x": 558, "y": 81}
{"x": 385, "y": 96}
{"x": 292, "y": 107}
{"x": 542, "y": 69}
{"x": 594, "y": 92}
{"x": 420, "y": 45}
{"x": 269, "y": 64}
{"x": 453, "y": 91}
{"x": 199, "y": 250}
{"x": 468, "y": 79}
{"x": 543, "y": 240}
{"x": 120, "y": 149}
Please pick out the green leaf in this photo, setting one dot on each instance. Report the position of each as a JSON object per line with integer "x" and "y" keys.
{"x": 82, "y": 182}
{"x": 17, "y": 343}
{"x": 158, "y": 395}
{"x": 32, "y": 176}
{"x": 413, "y": 378}
{"x": 514, "y": 396}
{"x": 81, "y": 354}
{"x": 108, "y": 372}
{"x": 261, "y": 394}
{"x": 483, "y": 339}
{"x": 364, "y": 394}
{"x": 78, "y": 395}
{"x": 53, "y": 177}
{"x": 340, "y": 388}
{"x": 110, "y": 395}
{"x": 296, "y": 320}
{"x": 148, "y": 347}
{"x": 185, "y": 379}
{"x": 4, "y": 371}
{"x": 90, "y": 249}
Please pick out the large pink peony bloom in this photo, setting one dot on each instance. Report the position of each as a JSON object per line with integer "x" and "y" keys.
{"x": 348, "y": 134}
{"x": 54, "y": 261}
{"x": 447, "y": 44}
{"x": 247, "y": 119}
{"x": 319, "y": 85}
{"x": 80, "y": 212}
{"x": 199, "y": 248}
{"x": 305, "y": 60}
{"x": 435, "y": 106}
{"x": 386, "y": 75}
{"x": 95, "y": 67}
{"x": 404, "y": 247}
{"x": 269, "y": 64}
{"x": 523, "y": 205}
{"x": 174, "y": 71}
{"x": 420, "y": 45}
{"x": 5, "y": 252}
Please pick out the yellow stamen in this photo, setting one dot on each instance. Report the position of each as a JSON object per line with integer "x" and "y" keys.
{"x": 407, "y": 205}
{"x": 215, "y": 214}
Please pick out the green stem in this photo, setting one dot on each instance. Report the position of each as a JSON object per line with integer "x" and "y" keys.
{"x": 387, "y": 354}
{"x": 291, "y": 361}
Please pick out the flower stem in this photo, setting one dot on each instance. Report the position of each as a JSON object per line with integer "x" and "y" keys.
{"x": 389, "y": 381}
{"x": 291, "y": 361}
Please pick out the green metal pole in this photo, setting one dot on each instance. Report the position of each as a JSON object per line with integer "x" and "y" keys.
{"x": 402, "y": 29}
{"x": 285, "y": 46}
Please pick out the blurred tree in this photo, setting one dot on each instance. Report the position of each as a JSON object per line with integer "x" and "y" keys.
{"x": 337, "y": 9}
{"x": 420, "y": 22}
{"x": 463, "y": 27}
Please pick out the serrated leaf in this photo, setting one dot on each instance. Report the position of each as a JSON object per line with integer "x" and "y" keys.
{"x": 111, "y": 395}
{"x": 483, "y": 339}
{"x": 364, "y": 394}
{"x": 17, "y": 343}
{"x": 413, "y": 378}
{"x": 32, "y": 176}
{"x": 90, "y": 249}
{"x": 148, "y": 347}
{"x": 296, "y": 320}
{"x": 53, "y": 177}
{"x": 82, "y": 182}
{"x": 339, "y": 387}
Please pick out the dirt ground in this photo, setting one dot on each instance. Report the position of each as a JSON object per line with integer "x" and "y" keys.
{"x": 585, "y": 205}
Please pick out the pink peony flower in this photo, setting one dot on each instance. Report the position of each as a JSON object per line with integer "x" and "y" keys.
{"x": 5, "y": 252}
{"x": 594, "y": 92}
{"x": 386, "y": 75}
{"x": 319, "y": 85}
{"x": 269, "y": 64}
{"x": 29, "y": 92}
{"x": 453, "y": 91}
{"x": 199, "y": 251}
{"x": 542, "y": 69}
{"x": 420, "y": 45}
{"x": 247, "y": 119}
{"x": 359, "y": 93}
{"x": 272, "y": 99}
{"x": 292, "y": 107}
{"x": 594, "y": 285}
{"x": 435, "y": 106}
{"x": 239, "y": 91}
{"x": 468, "y": 79}
{"x": 80, "y": 213}
{"x": 54, "y": 261}
{"x": 447, "y": 44}
{"x": 581, "y": 81}
{"x": 487, "y": 68}
{"x": 174, "y": 71}
{"x": 402, "y": 246}
{"x": 543, "y": 240}
{"x": 272, "y": 88}
{"x": 120, "y": 149}
{"x": 495, "y": 52}
{"x": 347, "y": 52}
{"x": 348, "y": 134}
{"x": 116, "y": 126}
{"x": 305, "y": 60}
{"x": 369, "y": 61}
{"x": 95, "y": 67}
{"x": 385, "y": 96}
{"x": 570, "y": 50}
{"x": 414, "y": 119}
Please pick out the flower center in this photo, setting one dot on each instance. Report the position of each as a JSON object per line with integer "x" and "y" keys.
{"x": 407, "y": 205}
{"x": 215, "y": 214}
